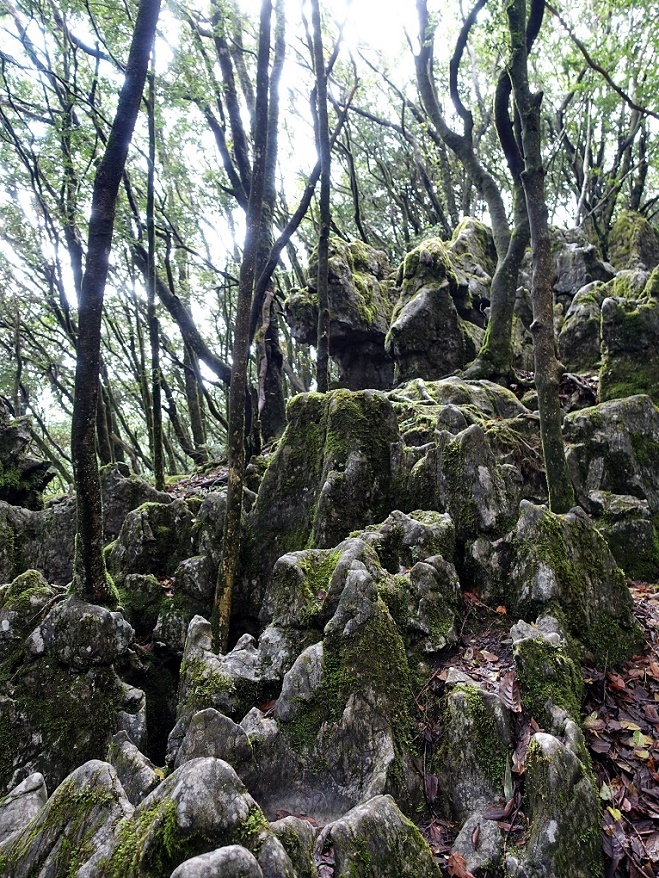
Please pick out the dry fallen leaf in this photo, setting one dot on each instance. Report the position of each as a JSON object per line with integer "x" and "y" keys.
{"x": 457, "y": 866}
{"x": 509, "y": 692}
{"x": 489, "y": 656}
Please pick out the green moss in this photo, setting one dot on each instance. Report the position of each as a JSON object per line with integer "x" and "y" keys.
{"x": 366, "y": 307}
{"x": 27, "y": 595}
{"x": 10, "y": 480}
{"x": 57, "y": 729}
{"x": 572, "y": 807}
{"x": 70, "y": 807}
{"x": 8, "y": 547}
{"x": 461, "y": 503}
{"x": 394, "y": 590}
{"x": 254, "y": 829}
{"x": 318, "y": 567}
{"x": 202, "y": 687}
{"x": 142, "y": 603}
{"x": 7, "y": 749}
{"x": 630, "y": 237}
{"x": 372, "y": 659}
{"x": 609, "y": 640}
{"x": 491, "y": 754}
{"x": 428, "y": 264}
{"x": 547, "y": 673}
{"x": 442, "y": 620}
{"x": 152, "y": 844}
{"x": 646, "y": 450}
{"x": 628, "y": 365}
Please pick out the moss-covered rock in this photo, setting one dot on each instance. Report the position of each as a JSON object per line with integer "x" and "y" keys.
{"x": 342, "y": 729}
{"x": 210, "y": 733}
{"x": 548, "y": 675}
{"x": 78, "y": 820}
{"x": 70, "y": 654}
{"x": 122, "y": 492}
{"x": 153, "y": 539}
{"x": 336, "y": 469}
{"x": 141, "y": 597}
{"x": 138, "y": 775}
{"x": 561, "y": 804}
{"x": 614, "y": 447}
{"x": 631, "y": 532}
{"x": 21, "y": 805}
{"x": 429, "y": 336}
{"x": 21, "y": 604}
{"x": 232, "y": 861}
{"x": 460, "y": 475}
{"x": 633, "y": 242}
{"x": 412, "y": 341}
{"x": 299, "y": 585}
{"x": 374, "y": 840}
{"x": 579, "y": 338}
{"x": 298, "y": 838}
{"x": 22, "y": 478}
{"x": 200, "y": 807}
{"x": 560, "y": 564}
{"x": 230, "y": 683}
{"x": 475, "y": 750}
{"x": 360, "y": 305}
{"x": 81, "y": 635}
{"x": 630, "y": 339}
{"x": 403, "y": 540}
{"x": 408, "y": 557}
{"x": 576, "y": 260}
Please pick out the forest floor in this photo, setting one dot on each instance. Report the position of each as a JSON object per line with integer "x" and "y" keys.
{"x": 620, "y": 722}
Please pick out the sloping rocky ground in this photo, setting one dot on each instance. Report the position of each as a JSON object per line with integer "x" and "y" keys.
{"x": 410, "y": 631}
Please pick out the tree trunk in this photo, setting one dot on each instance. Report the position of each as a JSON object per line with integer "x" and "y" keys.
{"x": 273, "y": 411}
{"x": 152, "y": 317}
{"x": 104, "y": 447}
{"x": 323, "y": 145}
{"x": 222, "y": 604}
{"x": 547, "y": 368}
{"x": 195, "y": 406}
{"x": 90, "y": 577}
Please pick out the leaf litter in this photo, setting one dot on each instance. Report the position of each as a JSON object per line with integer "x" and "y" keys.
{"x": 620, "y": 722}
{"x": 622, "y": 733}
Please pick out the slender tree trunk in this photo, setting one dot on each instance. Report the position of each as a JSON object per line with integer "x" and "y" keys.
{"x": 272, "y": 405}
{"x": 104, "y": 448}
{"x": 194, "y": 404}
{"x": 323, "y": 142}
{"x": 152, "y": 317}
{"x": 221, "y": 615}
{"x": 180, "y": 429}
{"x": 90, "y": 577}
{"x": 18, "y": 353}
{"x": 547, "y": 368}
